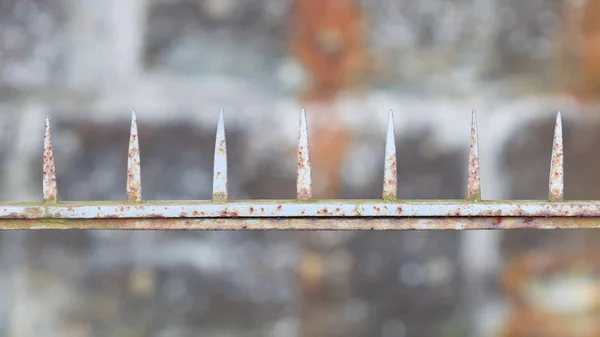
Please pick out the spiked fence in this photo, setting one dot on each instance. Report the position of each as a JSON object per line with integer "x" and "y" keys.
{"x": 304, "y": 213}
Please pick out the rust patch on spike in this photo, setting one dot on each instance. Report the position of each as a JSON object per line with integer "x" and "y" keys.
{"x": 134, "y": 178}
{"x": 49, "y": 188}
{"x": 556, "y": 188}
{"x": 390, "y": 171}
{"x": 473, "y": 179}
{"x": 303, "y": 174}
{"x": 219, "y": 192}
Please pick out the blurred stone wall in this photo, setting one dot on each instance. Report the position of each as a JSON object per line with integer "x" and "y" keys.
{"x": 176, "y": 62}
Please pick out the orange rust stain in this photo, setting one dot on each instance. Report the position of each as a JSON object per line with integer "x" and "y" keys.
{"x": 330, "y": 143}
{"x": 226, "y": 213}
{"x": 328, "y": 39}
{"x": 587, "y": 87}
{"x": 311, "y": 272}
{"x": 527, "y": 318}
{"x": 323, "y": 211}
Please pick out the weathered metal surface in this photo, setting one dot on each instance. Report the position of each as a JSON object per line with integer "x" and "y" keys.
{"x": 219, "y": 192}
{"x": 293, "y": 224}
{"x": 557, "y": 187}
{"x": 303, "y": 213}
{"x": 134, "y": 176}
{"x": 473, "y": 180}
{"x": 49, "y": 189}
{"x": 303, "y": 174}
{"x": 390, "y": 170}
{"x": 293, "y": 208}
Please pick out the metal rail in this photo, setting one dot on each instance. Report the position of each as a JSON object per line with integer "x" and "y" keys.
{"x": 304, "y": 213}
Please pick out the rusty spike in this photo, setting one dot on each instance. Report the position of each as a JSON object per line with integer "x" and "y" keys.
{"x": 303, "y": 173}
{"x": 390, "y": 176}
{"x": 473, "y": 180}
{"x": 220, "y": 165}
{"x": 48, "y": 169}
{"x": 557, "y": 188}
{"x": 134, "y": 177}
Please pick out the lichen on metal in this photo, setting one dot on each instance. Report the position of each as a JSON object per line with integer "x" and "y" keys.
{"x": 219, "y": 192}
{"x": 303, "y": 213}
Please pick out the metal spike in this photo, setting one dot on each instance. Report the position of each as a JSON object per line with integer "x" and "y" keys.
{"x": 557, "y": 188}
{"x": 303, "y": 173}
{"x": 220, "y": 165}
{"x": 473, "y": 180}
{"x": 134, "y": 178}
{"x": 390, "y": 176}
{"x": 48, "y": 168}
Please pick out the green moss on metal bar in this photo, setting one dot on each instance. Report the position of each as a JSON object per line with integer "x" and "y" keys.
{"x": 99, "y": 224}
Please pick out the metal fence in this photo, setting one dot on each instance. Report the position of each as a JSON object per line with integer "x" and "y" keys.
{"x": 304, "y": 213}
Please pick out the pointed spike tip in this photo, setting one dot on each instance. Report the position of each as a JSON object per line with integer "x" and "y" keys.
{"x": 473, "y": 177}
{"x": 556, "y": 185}
{"x": 49, "y": 188}
{"x": 134, "y": 180}
{"x": 220, "y": 162}
{"x": 303, "y": 118}
{"x": 390, "y": 173}
{"x": 221, "y": 117}
{"x": 303, "y": 171}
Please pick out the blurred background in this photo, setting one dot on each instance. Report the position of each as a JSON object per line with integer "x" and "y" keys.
{"x": 176, "y": 62}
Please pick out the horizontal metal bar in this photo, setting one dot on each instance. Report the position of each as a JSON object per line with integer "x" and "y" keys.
{"x": 294, "y": 224}
{"x": 292, "y": 208}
